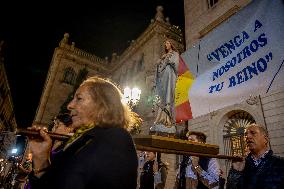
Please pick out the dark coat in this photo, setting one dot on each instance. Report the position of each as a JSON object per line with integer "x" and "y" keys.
{"x": 269, "y": 174}
{"x": 147, "y": 176}
{"x": 102, "y": 158}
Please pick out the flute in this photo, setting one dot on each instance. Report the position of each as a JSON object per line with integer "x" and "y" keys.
{"x": 62, "y": 137}
{"x": 53, "y": 136}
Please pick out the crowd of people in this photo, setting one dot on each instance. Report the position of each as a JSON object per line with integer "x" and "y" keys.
{"x": 100, "y": 152}
{"x": 153, "y": 171}
{"x": 259, "y": 169}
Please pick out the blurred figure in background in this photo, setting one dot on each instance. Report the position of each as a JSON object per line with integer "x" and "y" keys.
{"x": 141, "y": 162}
{"x": 154, "y": 172}
{"x": 24, "y": 170}
{"x": 62, "y": 125}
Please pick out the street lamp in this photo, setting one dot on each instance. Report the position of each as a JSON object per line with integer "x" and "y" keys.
{"x": 14, "y": 150}
{"x": 131, "y": 96}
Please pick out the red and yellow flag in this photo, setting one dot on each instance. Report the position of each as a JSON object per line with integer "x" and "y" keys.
{"x": 183, "y": 84}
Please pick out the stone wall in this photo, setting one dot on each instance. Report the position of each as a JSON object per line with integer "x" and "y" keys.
{"x": 55, "y": 91}
{"x": 273, "y": 109}
{"x": 7, "y": 116}
{"x": 201, "y": 19}
{"x": 134, "y": 67}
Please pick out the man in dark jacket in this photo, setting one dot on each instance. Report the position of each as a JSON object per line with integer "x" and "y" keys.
{"x": 260, "y": 169}
{"x": 154, "y": 172}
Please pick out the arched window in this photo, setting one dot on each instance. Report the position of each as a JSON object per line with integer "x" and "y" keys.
{"x": 234, "y": 132}
{"x": 69, "y": 76}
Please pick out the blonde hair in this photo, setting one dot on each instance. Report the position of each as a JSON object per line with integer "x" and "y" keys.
{"x": 109, "y": 109}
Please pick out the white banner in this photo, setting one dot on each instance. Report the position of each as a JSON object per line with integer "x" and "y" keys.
{"x": 241, "y": 57}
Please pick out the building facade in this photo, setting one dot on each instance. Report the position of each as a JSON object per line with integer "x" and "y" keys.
{"x": 68, "y": 65}
{"x": 8, "y": 122}
{"x": 135, "y": 67}
{"x": 7, "y": 115}
{"x": 225, "y": 127}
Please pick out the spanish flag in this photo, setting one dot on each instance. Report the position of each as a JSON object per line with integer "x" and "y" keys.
{"x": 183, "y": 84}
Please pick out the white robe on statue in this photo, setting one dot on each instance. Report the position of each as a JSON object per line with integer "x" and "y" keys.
{"x": 166, "y": 75}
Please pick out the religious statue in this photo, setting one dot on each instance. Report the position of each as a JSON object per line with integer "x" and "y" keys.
{"x": 166, "y": 75}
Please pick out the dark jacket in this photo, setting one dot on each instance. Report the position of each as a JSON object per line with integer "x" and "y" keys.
{"x": 101, "y": 158}
{"x": 268, "y": 174}
{"x": 147, "y": 176}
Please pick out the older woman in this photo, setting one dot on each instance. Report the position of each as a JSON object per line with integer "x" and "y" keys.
{"x": 101, "y": 153}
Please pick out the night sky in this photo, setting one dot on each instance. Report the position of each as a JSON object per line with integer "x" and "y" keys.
{"x": 32, "y": 31}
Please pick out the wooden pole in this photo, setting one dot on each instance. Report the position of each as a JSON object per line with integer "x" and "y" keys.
{"x": 35, "y": 134}
{"x": 62, "y": 137}
{"x": 169, "y": 151}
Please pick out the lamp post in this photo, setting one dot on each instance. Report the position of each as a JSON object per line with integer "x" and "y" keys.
{"x": 131, "y": 96}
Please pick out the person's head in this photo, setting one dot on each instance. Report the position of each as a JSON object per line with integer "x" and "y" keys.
{"x": 196, "y": 136}
{"x": 256, "y": 137}
{"x": 29, "y": 156}
{"x": 169, "y": 46}
{"x": 64, "y": 118}
{"x": 62, "y": 121}
{"x": 97, "y": 101}
{"x": 150, "y": 156}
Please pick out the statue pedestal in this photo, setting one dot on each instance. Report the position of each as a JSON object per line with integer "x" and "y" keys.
{"x": 162, "y": 130}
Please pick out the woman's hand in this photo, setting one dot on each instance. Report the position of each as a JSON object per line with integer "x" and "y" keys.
{"x": 40, "y": 148}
